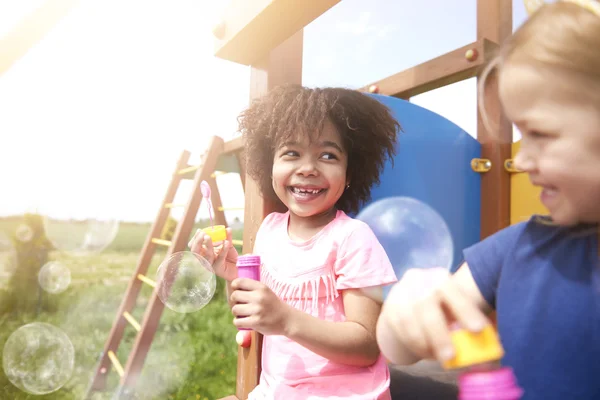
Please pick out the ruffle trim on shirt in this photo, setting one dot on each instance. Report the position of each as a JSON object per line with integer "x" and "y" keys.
{"x": 301, "y": 292}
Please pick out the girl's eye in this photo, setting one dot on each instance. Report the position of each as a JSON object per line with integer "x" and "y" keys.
{"x": 290, "y": 153}
{"x": 330, "y": 156}
{"x": 537, "y": 135}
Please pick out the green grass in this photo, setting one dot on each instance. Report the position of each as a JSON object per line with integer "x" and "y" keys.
{"x": 193, "y": 356}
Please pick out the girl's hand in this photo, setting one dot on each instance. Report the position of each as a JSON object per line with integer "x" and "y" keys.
{"x": 418, "y": 313}
{"x": 224, "y": 263}
{"x": 258, "y": 308}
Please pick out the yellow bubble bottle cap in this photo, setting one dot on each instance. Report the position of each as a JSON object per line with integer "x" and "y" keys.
{"x": 217, "y": 233}
{"x": 474, "y": 348}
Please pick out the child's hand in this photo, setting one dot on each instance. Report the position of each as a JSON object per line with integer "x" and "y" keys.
{"x": 418, "y": 313}
{"x": 258, "y": 308}
{"x": 224, "y": 263}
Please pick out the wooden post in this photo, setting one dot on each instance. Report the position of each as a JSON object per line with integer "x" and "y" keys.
{"x": 494, "y": 22}
{"x": 283, "y": 65}
{"x": 215, "y": 199}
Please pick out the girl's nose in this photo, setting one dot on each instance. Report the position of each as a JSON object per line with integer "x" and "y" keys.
{"x": 307, "y": 167}
{"x": 524, "y": 161}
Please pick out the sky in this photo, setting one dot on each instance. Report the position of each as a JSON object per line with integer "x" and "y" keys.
{"x": 94, "y": 117}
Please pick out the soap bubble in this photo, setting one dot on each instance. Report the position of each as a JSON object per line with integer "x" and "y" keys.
{"x": 24, "y": 233}
{"x": 186, "y": 282}
{"x": 8, "y": 259}
{"x": 412, "y": 233}
{"x": 54, "y": 277}
{"x": 38, "y": 358}
{"x": 80, "y": 236}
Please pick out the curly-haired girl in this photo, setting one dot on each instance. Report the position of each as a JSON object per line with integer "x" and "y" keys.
{"x": 318, "y": 152}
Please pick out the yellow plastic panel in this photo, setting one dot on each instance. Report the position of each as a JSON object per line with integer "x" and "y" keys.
{"x": 524, "y": 197}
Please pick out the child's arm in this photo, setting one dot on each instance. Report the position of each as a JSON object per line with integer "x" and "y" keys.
{"x": 352, "y": 342}
{"x": 414, "y": 326}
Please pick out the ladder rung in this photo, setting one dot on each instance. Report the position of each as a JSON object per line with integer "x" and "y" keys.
{"x": 132, "y": 321}
{"x": 171, "y": 205}
{"x": 115, "y": 362}
{"x": 238, "y": 242}
{"x": 146, "y": 280}
{"x": 221, "y": 208}
{"x": 162, "y": 242}
{"x": 189, "y": 169}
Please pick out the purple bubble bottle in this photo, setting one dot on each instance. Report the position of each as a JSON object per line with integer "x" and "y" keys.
{"x": 248, "y": 266}
{"x": 478, "y": 358}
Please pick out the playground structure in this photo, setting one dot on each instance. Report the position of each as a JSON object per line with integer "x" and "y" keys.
{"x": 267, "y": 35}
{"x": 467, "y": 181}
{"x": 476, "y": 189}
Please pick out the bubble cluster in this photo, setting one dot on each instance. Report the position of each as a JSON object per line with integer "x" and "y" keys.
{"x": 186, "y": 282}
{"x": 38, "y": 358}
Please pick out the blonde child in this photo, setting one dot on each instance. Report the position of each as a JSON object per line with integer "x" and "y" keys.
{"x": 318, "y": 152}
{"x": 542, "y": 277}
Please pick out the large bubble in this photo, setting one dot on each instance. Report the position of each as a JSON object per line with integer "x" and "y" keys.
{"x": 8, "y": 260}
{"x": 412, "y": 233}
{"x": 80, "y": 236}
{"x": 186, "y": 282}
{"x": 38, "y": 358}
{"x": 54, "y": 277}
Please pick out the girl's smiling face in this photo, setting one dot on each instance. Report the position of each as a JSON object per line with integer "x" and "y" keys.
{"x": 560, "y": 147}
{"x": 310, "y": 177}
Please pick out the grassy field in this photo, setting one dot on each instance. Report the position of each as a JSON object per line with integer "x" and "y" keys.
{"x": 193, "y": 356}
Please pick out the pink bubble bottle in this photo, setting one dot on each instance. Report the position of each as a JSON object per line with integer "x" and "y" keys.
{"x": 482, "y": 376}
{"x": 248, "y": 266}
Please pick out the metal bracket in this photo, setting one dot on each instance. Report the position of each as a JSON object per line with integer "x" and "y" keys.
{"x": 481, "y": 164}
{"x": 509, "y": 166}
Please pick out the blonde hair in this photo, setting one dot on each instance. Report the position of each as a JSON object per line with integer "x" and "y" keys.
{"x": 561, "y": 35}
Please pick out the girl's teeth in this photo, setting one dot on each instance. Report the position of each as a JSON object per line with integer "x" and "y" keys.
{"x": 313, "y": 191}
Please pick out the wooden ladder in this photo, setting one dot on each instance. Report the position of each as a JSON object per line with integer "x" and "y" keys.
{"x": 219, "y": 156}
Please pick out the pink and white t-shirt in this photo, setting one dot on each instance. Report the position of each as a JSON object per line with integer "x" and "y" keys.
{"x": 310, "y": 276}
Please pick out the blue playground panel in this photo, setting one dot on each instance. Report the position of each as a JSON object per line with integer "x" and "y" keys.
{"x": 433, "y": 165}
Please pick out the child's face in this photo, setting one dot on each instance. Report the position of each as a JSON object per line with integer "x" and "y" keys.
{"x": 560, "y": 147}
{"x": 309, "y": 178}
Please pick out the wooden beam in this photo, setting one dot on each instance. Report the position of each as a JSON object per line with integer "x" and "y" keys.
{"x": 282, "y": 65}
{"x": 31, "y": 30}
{"x": 446, "y": 69}
{"x": 250, "y": 29}
{"x": 241, "y": 156}
{"x": 494, "y": 22}
{"x": 217, "y": 204}
{"x": 234, "y": 145}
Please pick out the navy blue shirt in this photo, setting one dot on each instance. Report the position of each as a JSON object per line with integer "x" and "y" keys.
{"x": 544, "y": 283}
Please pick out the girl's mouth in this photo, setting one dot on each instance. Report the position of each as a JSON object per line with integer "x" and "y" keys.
{"x": 305, "y": 194}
